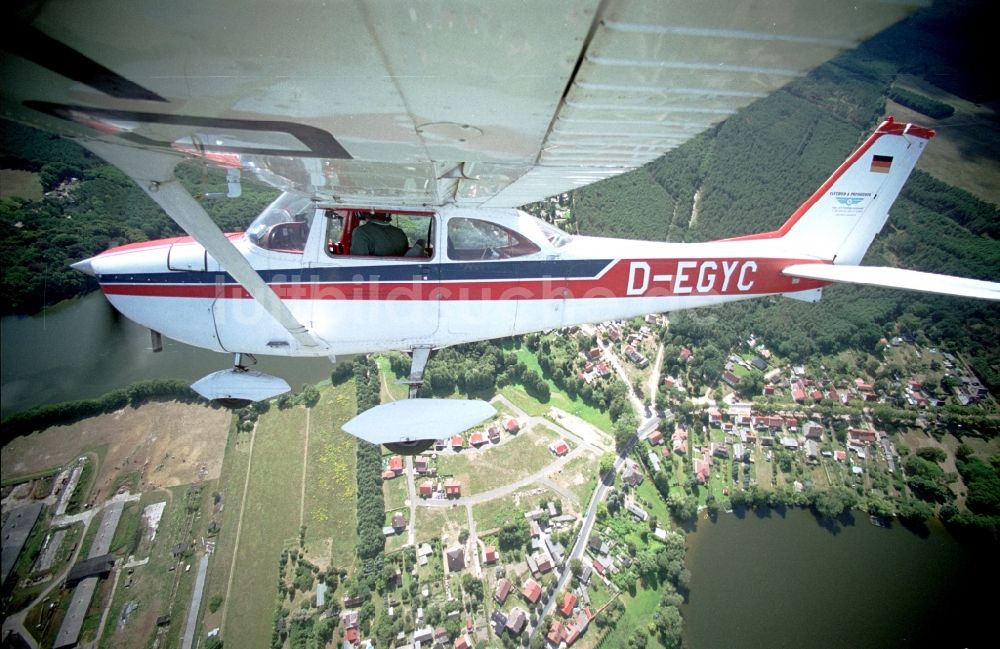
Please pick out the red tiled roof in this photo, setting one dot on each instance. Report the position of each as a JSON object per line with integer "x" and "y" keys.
{"x": 568, "y": 603}
{"x": 532, "y": 591}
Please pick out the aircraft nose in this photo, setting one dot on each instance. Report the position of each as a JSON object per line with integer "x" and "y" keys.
{"x": 85, "y": 266}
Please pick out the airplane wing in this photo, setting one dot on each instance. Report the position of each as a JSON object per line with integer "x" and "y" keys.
{"x": 478, "y": 103}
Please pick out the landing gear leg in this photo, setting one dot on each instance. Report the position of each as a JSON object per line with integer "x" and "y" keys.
{"x": 418, "y": 362}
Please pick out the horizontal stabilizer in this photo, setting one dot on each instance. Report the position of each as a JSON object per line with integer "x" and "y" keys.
{"x": 409, "y": 420}
{"x": 910, "y": 280}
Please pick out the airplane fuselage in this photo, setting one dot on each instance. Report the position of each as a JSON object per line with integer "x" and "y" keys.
{"x": 358, "y": 304}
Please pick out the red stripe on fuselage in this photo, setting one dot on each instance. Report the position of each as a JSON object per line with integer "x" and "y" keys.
{"x": 626, "y": 278}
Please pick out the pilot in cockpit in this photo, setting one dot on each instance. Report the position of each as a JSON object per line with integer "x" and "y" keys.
{"x": 377, "y": 236}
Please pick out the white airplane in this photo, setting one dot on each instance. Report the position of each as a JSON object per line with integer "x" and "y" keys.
{"x": 445, "y": 117}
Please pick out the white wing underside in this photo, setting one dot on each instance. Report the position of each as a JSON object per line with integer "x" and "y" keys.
{"x": 910, "y": 280}
{"x": 494, "y": 103}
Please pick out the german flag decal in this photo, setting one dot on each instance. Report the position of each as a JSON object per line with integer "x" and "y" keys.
{"x": 881, "y": 163}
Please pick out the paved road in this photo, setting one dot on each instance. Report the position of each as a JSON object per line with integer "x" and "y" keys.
{"x": 647, "y": 425}
{"x": 199, "y": 588}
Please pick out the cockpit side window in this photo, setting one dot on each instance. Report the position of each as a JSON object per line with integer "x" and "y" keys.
{"x": 478, "y": 239}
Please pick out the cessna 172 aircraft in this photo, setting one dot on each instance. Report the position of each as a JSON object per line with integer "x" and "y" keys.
{"x": 443, "y": 117}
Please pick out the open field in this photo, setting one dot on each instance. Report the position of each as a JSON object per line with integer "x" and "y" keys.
{"x": 331, "y": 484}
{"x": 639, "y": 611}
{"x": 231, "y": 483}
{"x": 167, "y": 443}
{"x": 395, "y": 492}
{"x": 961, "y": 154}
{"x": 558, "y": 398}
{"x": 498, "y": 511}
{"x": 436, "y": 522}
{"x": 274, "y": 503}
{"x": 270, "y": 522}
{"x": 579, "y": 475}
{"x": 491, "y": 467}
{"x": 20, "y": 184}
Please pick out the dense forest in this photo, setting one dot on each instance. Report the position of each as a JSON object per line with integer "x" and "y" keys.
{"x": 751, "y": 172}
{"x": 79, "y": 218}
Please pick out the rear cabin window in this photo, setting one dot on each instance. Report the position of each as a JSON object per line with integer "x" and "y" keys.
{"x": 477, "y": 239}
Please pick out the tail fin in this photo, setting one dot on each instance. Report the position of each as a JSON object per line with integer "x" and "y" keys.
{"x": 841, "y": 219}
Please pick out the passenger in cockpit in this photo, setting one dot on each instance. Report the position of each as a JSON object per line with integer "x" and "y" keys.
{"x": 379, "y": 237}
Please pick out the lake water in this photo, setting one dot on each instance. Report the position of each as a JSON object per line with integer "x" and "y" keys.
{"x": 788, "y": 582}
{"x": 82, "y": 348}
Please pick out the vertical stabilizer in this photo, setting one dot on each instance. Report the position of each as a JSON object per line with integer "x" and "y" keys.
{"x": 841, "y": 219}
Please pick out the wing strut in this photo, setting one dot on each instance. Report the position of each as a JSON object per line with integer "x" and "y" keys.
{"x": 153, "y": 171}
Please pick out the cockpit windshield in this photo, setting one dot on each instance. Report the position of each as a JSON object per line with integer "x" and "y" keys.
{"x": 284, "y": 225}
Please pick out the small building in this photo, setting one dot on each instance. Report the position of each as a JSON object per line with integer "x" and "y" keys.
{"x": 494, "y": 434}
{"x": 702, "y": 469}
{"x": 655, "y": 437}
{"x": 398, "y": 521}
{"x": 457, "y": 443}
{"x": 719, "y": 450}
{"x": 456, "y": 558}
{"x": 569, "y": 603}
{"x": 421, "y": 464}
{"x": 423, "y": 635}
{"x": 631, "y": 476}
{"x": 504, "y": 586}
{"x": 543, "y": 562}
{"x": 532, "y": 591}
{"x": 516, "y": 621}
{"x": 560, "y": 448}
{"x": 477, "y": 439}
{"x": 100, "y": 566}
{"x": 557, "y": 633}
{"x": 813, "y": 430}
{"x": 426, "y": 489}
{"x": 512, "y": 426}
{"x": 396, "y": 464}
{"x": 498, "y": 621}
{"x": 452, "y": 488}
{"x": 490, "y": 555}
{"x": 790, "y": 443}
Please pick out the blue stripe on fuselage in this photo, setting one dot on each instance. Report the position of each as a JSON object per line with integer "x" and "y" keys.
{"x": 401, "y": 272}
